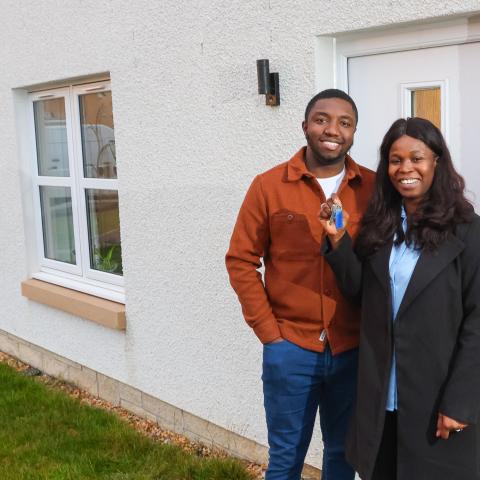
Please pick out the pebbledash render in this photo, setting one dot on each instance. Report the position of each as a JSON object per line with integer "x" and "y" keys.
{"x": 113, "y": 232}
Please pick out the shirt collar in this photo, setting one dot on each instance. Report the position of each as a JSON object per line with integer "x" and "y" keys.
{"x": 296, "y": 167}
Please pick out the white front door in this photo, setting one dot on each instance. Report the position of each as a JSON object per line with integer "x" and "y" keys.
{"x": 384, "y": 87}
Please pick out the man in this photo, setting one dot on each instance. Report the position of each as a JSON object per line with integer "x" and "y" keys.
{"x": 309, "y": 331}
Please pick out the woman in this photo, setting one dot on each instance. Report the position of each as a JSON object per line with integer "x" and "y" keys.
{"x": 416, "y": 272}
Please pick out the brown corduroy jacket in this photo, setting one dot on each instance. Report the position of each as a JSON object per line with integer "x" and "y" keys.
{"x": 299, "y": 299}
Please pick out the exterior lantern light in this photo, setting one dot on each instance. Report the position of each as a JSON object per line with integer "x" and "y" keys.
{"x": 268, "y": 83}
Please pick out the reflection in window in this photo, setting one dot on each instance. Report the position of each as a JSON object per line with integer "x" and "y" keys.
{"x": 98, "y": 141}
{"x": 426, "y": 103}
{"x": 104, "y": 230}
{"x": 51, "y": 137}
{"x": 57, "y": 220}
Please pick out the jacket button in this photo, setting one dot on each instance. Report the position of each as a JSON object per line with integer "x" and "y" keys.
{"x": 327, "y": 292}
{"x": 289, "y": 217}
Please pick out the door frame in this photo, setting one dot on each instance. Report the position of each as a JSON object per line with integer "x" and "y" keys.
{"x": 333, "y": 51}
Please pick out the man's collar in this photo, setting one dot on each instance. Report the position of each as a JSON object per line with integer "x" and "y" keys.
{"x": 297, "y": 168}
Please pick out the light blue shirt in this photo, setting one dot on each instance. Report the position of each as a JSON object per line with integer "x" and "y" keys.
{"x": 402, "y": 262}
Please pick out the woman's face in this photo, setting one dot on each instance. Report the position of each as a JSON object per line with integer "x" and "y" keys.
{"x": 411, "y": 168}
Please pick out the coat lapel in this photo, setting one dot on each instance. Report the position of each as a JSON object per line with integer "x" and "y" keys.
{"x": 379, "y": 263}
{"x": 428, "y": 266}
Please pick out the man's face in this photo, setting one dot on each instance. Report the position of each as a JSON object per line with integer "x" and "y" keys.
{"x": 329, "y": 129}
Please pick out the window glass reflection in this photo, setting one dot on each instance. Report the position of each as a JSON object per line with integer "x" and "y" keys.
{"x": 104, "y": 230}
{"x": 98, "y": 140}
{"x": 57, "y": 222}
{"x": 51, "y": 137}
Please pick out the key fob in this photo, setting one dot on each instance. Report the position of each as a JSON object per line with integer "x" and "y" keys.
{"x": 337, "y": 216}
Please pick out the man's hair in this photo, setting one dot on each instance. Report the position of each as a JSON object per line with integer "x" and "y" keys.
{"x": 331, "y": 93}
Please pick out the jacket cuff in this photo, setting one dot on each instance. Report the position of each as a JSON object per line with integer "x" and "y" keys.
{"x": 462, "y": 415}
{"x": 267, "y": 331}
{"x": 331, "y": 253}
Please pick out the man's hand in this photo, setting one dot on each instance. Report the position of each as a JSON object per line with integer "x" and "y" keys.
{"x": 324, "y": 215}
{"x": 447, "y": 425}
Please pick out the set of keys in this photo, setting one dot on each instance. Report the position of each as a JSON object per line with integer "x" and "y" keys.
{"x": 336, "y": 216}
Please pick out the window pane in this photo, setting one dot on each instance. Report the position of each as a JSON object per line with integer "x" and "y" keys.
{"x": 426, "y": 104}
{"x": 98, "y": 141}
{"x": 51, "y": 137}
{"x": 104, "y": 230}
{"x": 57, "y": 221}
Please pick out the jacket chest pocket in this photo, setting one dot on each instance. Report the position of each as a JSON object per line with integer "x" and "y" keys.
{"x": 291, "y": 237}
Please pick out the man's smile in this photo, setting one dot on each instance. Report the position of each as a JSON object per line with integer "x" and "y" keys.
{"x": 330, "y": 144}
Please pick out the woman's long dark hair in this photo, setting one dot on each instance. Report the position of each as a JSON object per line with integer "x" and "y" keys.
{"x": 442, "y": 208}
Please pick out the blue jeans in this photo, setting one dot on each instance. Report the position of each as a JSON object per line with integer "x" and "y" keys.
{"x": 297, "y": 382}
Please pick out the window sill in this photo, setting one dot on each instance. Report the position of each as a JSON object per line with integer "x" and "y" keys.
{"x": 105, "y": 312}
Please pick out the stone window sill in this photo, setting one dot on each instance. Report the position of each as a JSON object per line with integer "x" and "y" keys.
{"x": 98, "y": 310}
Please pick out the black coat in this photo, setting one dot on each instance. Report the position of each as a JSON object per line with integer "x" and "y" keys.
{"x": 437, "y": 345}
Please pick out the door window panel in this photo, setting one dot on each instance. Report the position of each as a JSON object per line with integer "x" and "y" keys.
{"x": 426, "y": 103}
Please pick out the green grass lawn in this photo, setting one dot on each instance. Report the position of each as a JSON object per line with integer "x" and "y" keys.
{"x": 45, "y": 434}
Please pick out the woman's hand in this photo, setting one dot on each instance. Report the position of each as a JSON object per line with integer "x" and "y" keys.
{"x": 324, "y": 215}
{"x": 447, "y": 425}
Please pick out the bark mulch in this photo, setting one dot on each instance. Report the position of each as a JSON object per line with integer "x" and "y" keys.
{"x": 146, "y": 427}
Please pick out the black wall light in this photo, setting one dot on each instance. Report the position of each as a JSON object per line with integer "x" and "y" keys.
{"x": 268, "y": 83}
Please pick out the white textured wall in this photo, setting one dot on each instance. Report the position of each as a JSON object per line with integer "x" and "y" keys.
{"x": 191, "y": 133}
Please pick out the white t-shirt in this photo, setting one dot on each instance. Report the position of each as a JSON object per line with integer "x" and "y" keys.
{"x": 330, "y": 184}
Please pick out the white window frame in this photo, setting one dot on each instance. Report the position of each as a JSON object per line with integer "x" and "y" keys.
{"x": 80, "y": 276}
